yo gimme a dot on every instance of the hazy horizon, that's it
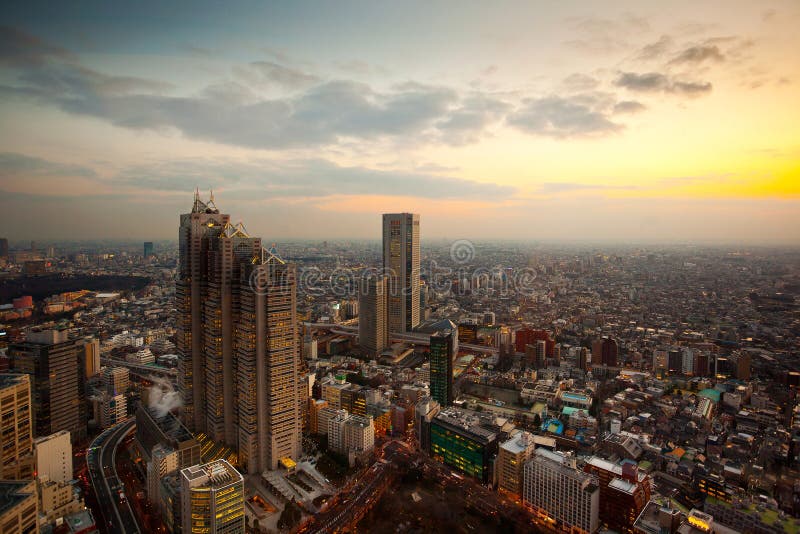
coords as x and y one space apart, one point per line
525 121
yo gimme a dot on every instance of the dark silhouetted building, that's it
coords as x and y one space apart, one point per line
444 347
3 247
148 249
604 352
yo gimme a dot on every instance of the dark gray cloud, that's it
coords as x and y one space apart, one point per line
235 113
20 48
19 167
698 54
301 178
562 117
654 82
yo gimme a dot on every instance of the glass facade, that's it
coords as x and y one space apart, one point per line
459 451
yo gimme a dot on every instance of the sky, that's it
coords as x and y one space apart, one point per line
615 121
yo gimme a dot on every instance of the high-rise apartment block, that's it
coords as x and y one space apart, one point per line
237 340
559 493
16 428
511 458
444 349
373 334
54 457
53 361
401 262
212 499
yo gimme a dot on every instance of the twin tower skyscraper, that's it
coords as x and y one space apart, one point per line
237 332
237 340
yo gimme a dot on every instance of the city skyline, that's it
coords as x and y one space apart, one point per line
531 122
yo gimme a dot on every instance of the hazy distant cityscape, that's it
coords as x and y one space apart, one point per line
224 383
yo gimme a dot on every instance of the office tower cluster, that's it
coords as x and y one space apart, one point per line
237 340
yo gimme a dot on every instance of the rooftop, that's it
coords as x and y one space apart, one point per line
13 492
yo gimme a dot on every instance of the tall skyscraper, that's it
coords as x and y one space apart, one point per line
401 263
55 364
373 335
197 229
148 249
444 348
3 247
16 428
269 389
237 340
212 499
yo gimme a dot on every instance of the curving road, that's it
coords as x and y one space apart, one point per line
101 461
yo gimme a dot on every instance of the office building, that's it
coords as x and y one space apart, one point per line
56 500
113 409
359 433
116 380
271 393
163 461
740 363
559 493
605 352
154 429
583 358
19 507
53 361
148 249
444 349
464 441
511 458
16 428
54 457
424 412
197 230
336 432
92 356
401 262
237 340
3 247
624 492
373 335
212 499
